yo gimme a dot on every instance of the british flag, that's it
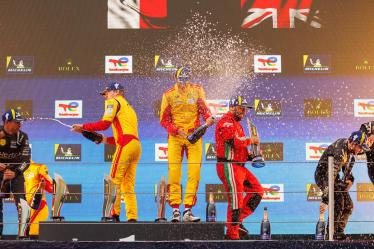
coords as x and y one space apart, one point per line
283 13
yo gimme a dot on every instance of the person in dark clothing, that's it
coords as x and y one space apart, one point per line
368 128
343 151
15 154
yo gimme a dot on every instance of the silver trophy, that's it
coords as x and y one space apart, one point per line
60 190
257 161
24 212
161 198
110 193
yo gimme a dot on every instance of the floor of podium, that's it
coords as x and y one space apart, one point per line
151 235
256 244
141 231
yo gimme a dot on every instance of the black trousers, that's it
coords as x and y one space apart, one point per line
15 186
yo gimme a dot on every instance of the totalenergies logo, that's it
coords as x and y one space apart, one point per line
118 64
314 151
267 64
270 61
161 152
71 107
364 107
273 192
218 107
121 62
68 109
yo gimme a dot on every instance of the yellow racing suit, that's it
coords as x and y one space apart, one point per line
122 117
34 176
181 108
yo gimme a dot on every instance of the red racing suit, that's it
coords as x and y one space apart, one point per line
232 153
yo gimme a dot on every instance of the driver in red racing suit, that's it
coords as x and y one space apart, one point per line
232 153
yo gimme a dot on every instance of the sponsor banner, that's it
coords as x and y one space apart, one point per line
268 107
218 190
19 64
365 66
161 152
313 192
285 14
118 64
273 193
210 152
314 151
272 151
109 150
365 192
364 107
267 64
314 108
68 66
163 64
75 193
24 107
68 108
68 152
218 107
317 63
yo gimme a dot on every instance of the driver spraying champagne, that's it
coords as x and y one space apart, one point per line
181 108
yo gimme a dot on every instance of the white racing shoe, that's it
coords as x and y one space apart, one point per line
176 216
189 217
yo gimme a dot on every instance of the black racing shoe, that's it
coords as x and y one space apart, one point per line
115 218
132 220
243 232
341 236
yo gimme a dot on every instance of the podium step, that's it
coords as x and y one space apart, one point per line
142 231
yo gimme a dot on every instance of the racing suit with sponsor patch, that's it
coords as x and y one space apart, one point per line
243 189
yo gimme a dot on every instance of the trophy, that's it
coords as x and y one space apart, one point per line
60 190
110 192
24 212
257 161
160 198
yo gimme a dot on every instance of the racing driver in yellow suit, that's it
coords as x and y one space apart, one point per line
122 117
37 181
181 108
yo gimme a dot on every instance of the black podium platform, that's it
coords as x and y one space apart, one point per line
143 231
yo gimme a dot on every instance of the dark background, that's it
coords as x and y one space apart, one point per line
52 30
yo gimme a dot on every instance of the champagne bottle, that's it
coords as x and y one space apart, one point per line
211 209
320 228
197 134
265 226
